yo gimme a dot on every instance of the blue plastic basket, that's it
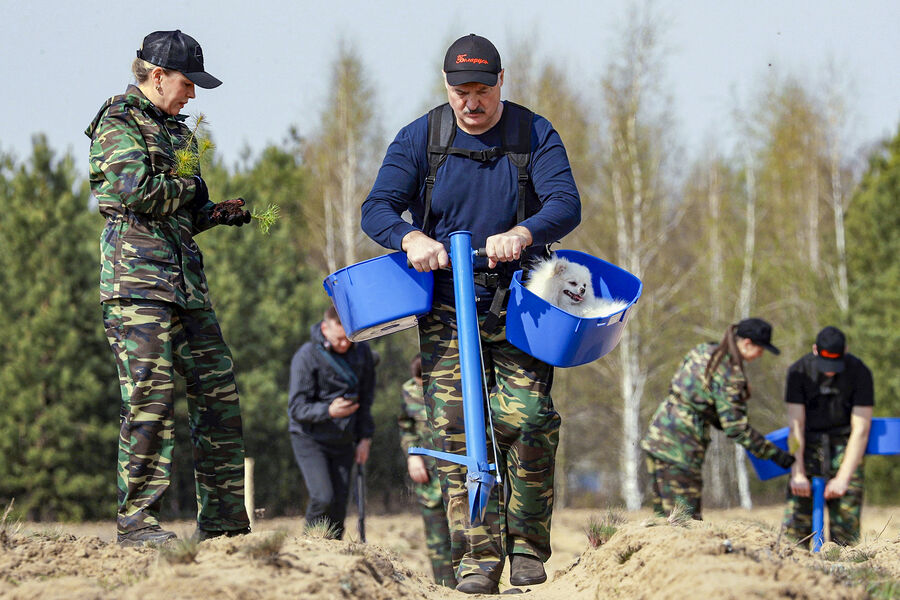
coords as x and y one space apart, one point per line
379 296
560 338
766 469
884 436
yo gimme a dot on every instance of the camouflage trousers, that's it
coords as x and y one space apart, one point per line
672 486
437 531
152 341
843 513
526 427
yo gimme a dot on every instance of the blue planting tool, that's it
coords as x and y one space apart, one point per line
480 477
818 512
884 439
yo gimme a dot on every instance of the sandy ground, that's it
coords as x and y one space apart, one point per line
732 554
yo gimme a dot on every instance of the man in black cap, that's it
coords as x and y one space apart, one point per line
499 171
830 396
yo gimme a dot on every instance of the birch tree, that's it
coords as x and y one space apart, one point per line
635 177
835 122
342 158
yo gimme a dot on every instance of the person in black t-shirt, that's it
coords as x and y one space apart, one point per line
829 395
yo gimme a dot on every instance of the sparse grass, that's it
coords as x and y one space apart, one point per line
320 530
860 555
627 553
879 585
53 534
832 554
179 552
680 516
354 548
600 529
267 547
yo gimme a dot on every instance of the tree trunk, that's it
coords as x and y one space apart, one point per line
746 293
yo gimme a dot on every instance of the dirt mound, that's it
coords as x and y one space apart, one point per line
253 566
644 558
653 559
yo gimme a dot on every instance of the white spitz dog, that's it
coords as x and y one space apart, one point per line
567 285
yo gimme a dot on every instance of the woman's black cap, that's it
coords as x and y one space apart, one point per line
178 51
757 331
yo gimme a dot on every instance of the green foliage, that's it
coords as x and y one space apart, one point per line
873 231
266 218
59 413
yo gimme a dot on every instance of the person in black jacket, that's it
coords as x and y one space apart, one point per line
332 387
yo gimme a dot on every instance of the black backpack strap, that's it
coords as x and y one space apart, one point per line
441 131
517 146
340 365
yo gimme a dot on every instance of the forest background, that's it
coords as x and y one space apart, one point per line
789 224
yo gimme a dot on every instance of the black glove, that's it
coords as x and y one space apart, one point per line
201 196
783 459
230 212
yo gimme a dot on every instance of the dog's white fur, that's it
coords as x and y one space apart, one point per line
568 285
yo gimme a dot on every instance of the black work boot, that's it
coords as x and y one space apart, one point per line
477 584
526 570
205 534
154 534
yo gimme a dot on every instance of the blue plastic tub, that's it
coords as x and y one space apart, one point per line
766 469
379 296
884 436
560 338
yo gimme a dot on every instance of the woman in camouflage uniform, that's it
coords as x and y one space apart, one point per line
156 306
710 388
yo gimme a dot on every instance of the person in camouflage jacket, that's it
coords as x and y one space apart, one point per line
414 431
156 308
710 389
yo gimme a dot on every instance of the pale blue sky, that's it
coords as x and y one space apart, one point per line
60 60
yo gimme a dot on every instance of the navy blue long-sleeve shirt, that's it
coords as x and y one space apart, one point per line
480 197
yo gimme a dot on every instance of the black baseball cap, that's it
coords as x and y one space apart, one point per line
472 59
831 345
178 51
757 331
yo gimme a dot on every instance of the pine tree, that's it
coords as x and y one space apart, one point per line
59 414
873 245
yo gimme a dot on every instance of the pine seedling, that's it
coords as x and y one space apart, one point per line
265 219
188 156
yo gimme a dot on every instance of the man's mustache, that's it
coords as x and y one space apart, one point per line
476 111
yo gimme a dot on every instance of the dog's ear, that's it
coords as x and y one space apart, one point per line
560 267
